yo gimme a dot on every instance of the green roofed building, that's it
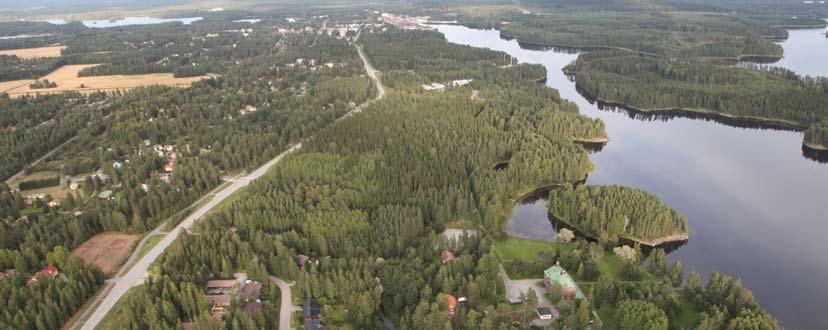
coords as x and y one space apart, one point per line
106 194
556 274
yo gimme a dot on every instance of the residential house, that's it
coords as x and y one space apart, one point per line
54 203
452 305
556 274
49 272
544 313
219 305
168 167
446 256
106 194
252 307
8 273
301 260
312 313
251 291
222 287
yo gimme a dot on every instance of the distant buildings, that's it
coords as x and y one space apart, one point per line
406 22
434 87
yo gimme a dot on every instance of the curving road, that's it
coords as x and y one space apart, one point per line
136 275
287 307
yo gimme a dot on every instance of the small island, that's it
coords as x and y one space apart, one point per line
610 213
816 137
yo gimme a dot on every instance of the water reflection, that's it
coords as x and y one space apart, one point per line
742 189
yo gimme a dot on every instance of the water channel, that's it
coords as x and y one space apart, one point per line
756 204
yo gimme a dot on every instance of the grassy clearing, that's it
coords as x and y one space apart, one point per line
526 249
151 242
686 318
612 265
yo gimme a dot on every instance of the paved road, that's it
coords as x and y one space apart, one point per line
136 275
140 271
287 308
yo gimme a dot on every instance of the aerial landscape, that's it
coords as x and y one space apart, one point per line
413 164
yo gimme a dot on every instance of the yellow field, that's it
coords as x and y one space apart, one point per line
66 77
29 53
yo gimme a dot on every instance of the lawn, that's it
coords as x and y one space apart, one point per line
686 318
151 242
612 265
526 249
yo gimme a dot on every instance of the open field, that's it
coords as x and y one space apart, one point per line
30 53
57 192
66 77
105 250
526 249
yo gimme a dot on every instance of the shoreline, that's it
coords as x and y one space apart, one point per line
591 140
815 147
669 242
666 240
723 118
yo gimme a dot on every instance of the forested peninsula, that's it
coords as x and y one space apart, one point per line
687 59
748 92
608 213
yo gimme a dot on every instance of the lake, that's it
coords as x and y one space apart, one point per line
805 52
755 205
105 23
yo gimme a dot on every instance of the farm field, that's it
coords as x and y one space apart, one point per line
30 53
106 250
67 80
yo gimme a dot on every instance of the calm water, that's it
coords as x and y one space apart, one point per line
805 52
756 206
105 23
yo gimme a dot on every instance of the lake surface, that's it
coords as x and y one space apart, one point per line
757 208
805 52
105 23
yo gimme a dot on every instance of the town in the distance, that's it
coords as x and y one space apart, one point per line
413 164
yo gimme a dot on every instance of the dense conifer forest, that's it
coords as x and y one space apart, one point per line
368 198
612 212
156 150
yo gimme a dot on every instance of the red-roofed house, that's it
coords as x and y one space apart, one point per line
452 305
49 272
168 167
446 256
